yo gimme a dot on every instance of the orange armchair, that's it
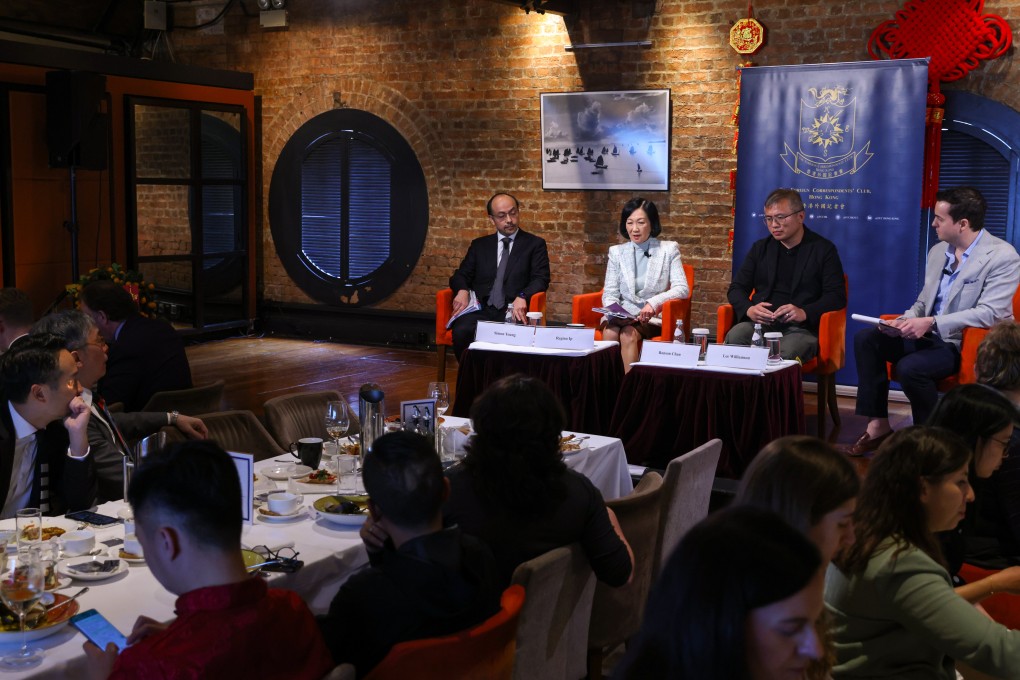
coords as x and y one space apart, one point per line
969 342
831 355
485 651
444 310
671 311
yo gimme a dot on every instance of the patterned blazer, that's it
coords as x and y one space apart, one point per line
664 280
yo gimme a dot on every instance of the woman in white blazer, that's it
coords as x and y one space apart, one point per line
641 276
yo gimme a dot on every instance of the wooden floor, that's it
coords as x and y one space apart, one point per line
258 369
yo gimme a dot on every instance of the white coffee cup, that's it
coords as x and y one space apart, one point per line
131 545
75 543
534 318
284 503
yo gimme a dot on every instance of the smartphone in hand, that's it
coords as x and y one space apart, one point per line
98 630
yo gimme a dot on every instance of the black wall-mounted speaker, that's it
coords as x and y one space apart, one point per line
76 127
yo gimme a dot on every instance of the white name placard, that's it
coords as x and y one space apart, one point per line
564 338
670 354
504 333
737 356
245 464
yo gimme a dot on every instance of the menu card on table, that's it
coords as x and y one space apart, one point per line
245 464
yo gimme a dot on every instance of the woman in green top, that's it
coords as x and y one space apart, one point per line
894 609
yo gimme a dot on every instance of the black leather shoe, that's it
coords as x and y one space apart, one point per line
866 444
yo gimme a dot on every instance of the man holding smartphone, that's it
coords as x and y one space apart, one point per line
187 508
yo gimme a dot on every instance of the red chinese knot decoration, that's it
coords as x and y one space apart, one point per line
746 36
957 37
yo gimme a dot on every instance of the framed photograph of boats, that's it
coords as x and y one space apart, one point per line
606 140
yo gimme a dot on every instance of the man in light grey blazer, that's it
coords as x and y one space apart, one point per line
969 280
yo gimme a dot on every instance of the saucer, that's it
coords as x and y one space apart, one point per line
281 519
64 568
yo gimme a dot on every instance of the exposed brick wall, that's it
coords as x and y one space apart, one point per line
461 81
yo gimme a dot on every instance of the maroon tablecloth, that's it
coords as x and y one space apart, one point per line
662 413
587 386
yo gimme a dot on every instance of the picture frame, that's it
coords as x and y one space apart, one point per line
612 140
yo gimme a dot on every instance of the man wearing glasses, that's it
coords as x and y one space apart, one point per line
44 448
501 269
795 276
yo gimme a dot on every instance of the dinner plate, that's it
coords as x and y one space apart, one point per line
63 567
54 621
336 517
284 471
62 522
282 519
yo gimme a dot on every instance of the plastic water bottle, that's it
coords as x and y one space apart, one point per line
509 314
757 339
678 332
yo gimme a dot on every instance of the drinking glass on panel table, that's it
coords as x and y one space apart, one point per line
21 585
439 391
338 421
28 523
346 474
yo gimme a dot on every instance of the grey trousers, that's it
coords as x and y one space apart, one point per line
797 342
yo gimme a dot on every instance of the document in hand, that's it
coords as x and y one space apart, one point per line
614 310
472 306
875 321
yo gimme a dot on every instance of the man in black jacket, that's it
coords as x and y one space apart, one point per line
504 268
422 580
796 276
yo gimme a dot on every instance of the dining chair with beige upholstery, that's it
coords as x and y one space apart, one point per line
237 431
686 491
191 401
552 632
302 414
616 613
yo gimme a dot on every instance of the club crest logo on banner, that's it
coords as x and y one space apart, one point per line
826 143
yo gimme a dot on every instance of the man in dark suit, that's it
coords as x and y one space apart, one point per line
44 450
796 276
146 355
109 433
520 260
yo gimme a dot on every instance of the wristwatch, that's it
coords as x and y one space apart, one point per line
171 417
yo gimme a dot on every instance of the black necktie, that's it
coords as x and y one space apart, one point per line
496 297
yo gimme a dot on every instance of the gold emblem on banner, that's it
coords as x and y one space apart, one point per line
826 140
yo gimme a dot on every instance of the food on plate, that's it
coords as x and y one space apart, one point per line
318 477
31 532
254 477
266 511
350 449
570 446
346 505
128 556
34 616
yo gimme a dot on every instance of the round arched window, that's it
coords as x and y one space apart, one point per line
348 208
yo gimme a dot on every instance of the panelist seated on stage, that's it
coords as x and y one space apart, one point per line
969 280
504 268
187 508
146 355
515 493
44 449
796 276
109 434
641 276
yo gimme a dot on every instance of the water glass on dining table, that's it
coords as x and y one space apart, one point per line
28 523
21 585
439 391
346 474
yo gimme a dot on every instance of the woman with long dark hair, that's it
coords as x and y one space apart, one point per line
739 599
893 604
514 492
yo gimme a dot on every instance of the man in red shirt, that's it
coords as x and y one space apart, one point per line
187 509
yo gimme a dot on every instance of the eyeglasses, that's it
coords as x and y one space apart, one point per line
1005 446
501 217
283 560
769 219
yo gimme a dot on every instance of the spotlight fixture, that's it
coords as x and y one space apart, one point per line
264 5
536 5
272 13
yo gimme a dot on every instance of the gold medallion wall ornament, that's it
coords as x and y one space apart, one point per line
747 35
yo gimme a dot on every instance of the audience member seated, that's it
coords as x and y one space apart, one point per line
109 434
739 598
422 580
15 316
998 366
514 492
44 448
814 488
984 419
642 275
187 508
895 611
146 355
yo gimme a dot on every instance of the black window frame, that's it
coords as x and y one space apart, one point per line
409 210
